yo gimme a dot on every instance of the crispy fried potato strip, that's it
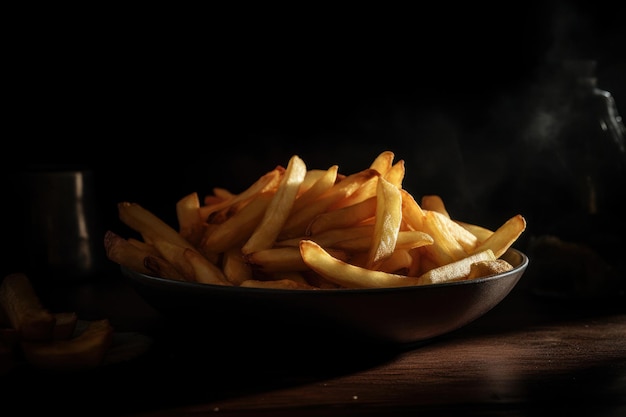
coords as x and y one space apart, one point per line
44 339
279 207
387 224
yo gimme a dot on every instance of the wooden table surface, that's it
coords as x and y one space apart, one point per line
527 356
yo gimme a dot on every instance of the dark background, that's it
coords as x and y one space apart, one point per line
162 102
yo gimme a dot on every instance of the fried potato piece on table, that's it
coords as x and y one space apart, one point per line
85 351
65 325
24 309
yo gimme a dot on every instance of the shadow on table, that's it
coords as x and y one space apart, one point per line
186 366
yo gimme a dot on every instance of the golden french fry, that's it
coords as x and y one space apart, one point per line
204 271
344 187
343 217
235 268
348 275
504 236
330 238
264 184
399 262
24 309
383 162
395 174
298 221
149 225
387 225
412 213
159 267
189 220
455 271
125 253
323 184
445 249
434 202
222 194
408 239
364 192
282 259
464 237
310 178
143 246
278 209
238 228
277 259
174 254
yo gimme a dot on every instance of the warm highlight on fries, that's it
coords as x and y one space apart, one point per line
301 228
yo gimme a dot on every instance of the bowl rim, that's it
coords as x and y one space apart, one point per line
145 278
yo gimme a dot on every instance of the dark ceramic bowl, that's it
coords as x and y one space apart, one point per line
391 316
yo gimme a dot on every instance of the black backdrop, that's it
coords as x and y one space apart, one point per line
160 103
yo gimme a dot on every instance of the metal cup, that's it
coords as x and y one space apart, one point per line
61 224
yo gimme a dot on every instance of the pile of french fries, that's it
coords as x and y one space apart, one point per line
301 228
46 340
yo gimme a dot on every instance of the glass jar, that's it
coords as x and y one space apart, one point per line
572 181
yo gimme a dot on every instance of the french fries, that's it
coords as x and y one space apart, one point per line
85 351
279 208
46 340
301 228
24 310
387 223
